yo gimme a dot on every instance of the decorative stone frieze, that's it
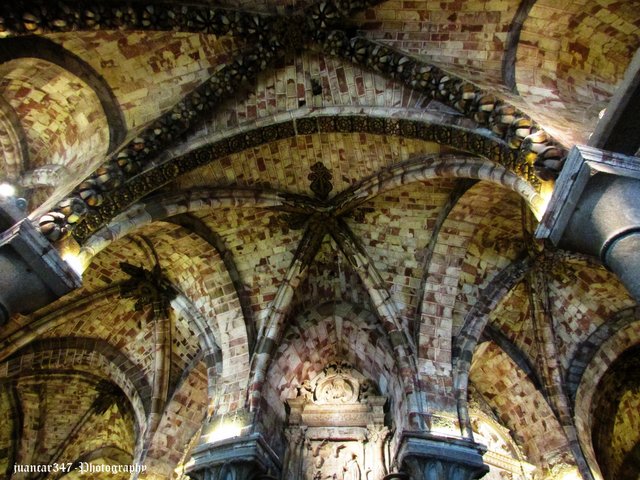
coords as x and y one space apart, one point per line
269 38
520 132
38 17
532 153
126 192
336 427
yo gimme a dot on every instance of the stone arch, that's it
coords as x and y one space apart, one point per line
89 356
62 117
216 315
181 305
163 206
608 351
615 416
205 300
522 408
331 331
117 455
13 423
511 46
445 302
492 334
187 407
442 166
21 338
475 322
70 412
447 133
503 452
13 143
588 348
574 55
188 293
212 354
45 49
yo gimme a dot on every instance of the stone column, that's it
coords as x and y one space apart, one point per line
427 457
377 435
292 465
595 210
238 458
32 273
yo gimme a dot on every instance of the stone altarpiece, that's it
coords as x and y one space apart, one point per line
336 428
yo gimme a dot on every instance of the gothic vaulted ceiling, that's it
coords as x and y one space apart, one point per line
253 187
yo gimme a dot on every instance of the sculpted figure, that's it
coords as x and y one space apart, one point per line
305 390
351 469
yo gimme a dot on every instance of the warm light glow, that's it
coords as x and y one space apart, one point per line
445 426
502 453
546 191
571 474
73 255
74 261
226 429
7 190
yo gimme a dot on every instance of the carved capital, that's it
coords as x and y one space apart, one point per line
427 457
377 433
239 458
227 471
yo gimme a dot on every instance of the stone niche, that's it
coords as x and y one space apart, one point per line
336 428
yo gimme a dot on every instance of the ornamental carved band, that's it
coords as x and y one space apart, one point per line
128 192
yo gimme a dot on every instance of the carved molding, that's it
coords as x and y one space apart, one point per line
117 193
528 150
339 396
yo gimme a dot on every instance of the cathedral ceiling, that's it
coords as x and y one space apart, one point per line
353 182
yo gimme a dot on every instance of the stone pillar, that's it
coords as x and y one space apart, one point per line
292 465
32 273
377 436
427 457
595 210
238 458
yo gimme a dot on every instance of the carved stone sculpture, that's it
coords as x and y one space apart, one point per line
344 432
351 469
337 389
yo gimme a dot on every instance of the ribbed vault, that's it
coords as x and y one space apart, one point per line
255 188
